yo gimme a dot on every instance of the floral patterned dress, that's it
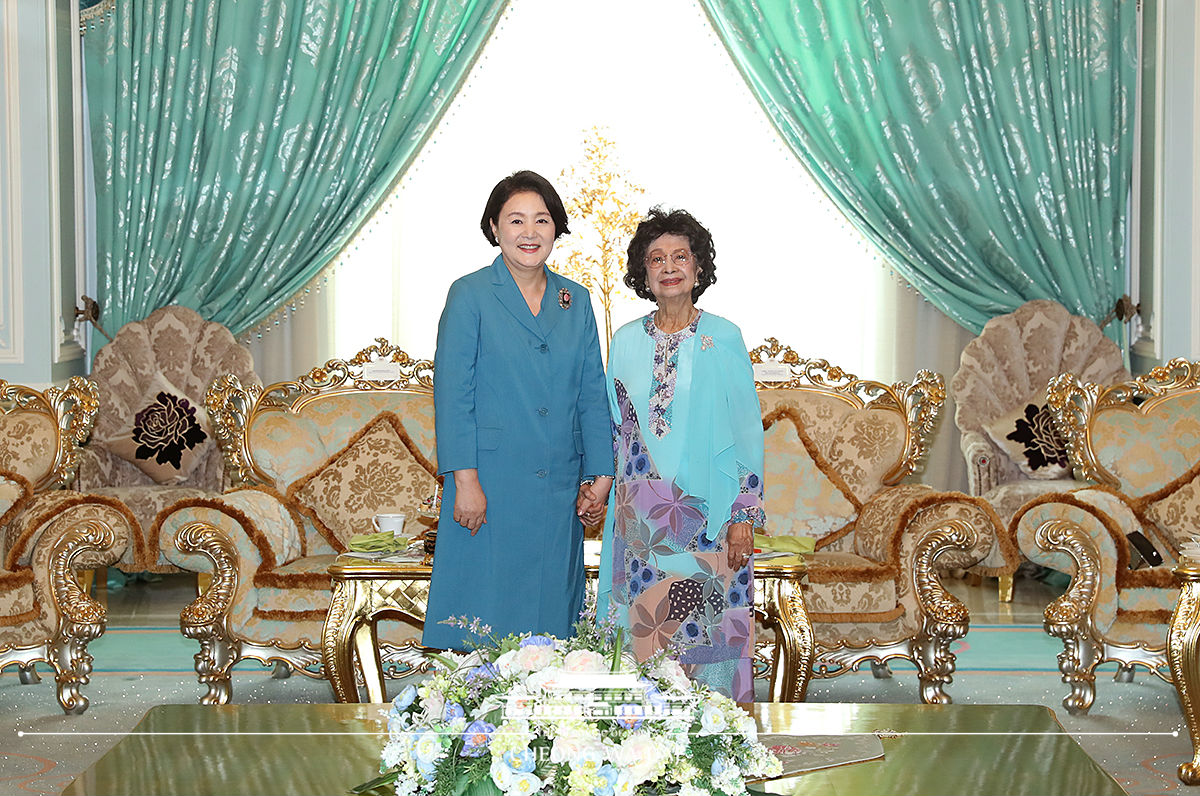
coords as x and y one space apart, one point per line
688 444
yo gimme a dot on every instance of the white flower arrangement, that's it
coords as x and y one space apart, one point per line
535 714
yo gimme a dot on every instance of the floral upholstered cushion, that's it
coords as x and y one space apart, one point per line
1029 437
1148 448
28 443
1178 513
166 437
803 498
379 471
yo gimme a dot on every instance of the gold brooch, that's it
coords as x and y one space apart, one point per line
564 298
705 342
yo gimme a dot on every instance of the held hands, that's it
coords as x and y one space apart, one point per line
589 505
739 544
470 504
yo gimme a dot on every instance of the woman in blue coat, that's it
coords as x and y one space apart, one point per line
524 437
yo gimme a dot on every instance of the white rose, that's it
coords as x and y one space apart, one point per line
641 757
534 657
749 728
507 663
673 673
571 740
712 720
544 679
585 661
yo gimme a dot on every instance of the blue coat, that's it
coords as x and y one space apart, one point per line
522 400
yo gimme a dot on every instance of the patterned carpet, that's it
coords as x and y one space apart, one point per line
1135 730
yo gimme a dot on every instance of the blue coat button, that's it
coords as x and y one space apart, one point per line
542 473
543 411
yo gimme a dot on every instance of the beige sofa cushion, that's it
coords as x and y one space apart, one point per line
1029 438
379 470
803 495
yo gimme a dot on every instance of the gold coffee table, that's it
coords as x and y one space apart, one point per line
365 591
1015 750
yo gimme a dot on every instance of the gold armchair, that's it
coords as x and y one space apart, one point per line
153 443
47 532
838 451
312 461
1012 447
1139 440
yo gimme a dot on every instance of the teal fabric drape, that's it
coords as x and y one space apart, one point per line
239 145
984 145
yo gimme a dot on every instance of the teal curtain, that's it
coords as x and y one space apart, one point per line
238 145
984 145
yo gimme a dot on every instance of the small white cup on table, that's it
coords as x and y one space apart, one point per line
389 522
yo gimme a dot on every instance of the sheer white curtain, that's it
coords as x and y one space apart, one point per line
687 129
302 340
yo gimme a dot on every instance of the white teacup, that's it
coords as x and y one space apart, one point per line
389 522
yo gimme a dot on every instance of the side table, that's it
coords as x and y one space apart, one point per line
365 591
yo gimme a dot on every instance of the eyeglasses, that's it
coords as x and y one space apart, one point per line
679 259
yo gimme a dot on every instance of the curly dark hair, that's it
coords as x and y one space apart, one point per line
520 182
659 222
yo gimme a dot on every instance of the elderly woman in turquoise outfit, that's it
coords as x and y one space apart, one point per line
524 437
676 569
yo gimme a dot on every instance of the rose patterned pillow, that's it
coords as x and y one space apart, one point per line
380 470
1030 438
167 436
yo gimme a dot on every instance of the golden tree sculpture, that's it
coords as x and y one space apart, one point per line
602 204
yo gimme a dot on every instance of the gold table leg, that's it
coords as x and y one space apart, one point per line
367 648
1183 653
795 648
336 651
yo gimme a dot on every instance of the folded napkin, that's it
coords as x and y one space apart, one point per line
801 545
382 542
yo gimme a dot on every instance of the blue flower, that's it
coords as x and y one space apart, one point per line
453 711
522 761
736 597
476 737
743 577
629 716
640 464
635 587
647 575
634 565
487 671
608 780
405 698
628 468
635 448
718 767
537 641
752 481
691 630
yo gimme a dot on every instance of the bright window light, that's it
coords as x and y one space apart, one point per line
658 82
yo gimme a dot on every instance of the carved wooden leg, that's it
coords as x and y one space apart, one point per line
1183 653
336 650
206 618
80 618
366 648
944 617
1069 618
795 645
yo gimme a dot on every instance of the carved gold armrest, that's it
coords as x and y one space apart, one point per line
80 618
206 619
259 526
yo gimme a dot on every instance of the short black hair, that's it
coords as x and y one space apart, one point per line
659 222
520 182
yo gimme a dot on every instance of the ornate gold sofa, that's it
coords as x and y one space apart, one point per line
47 532
1140 441
1013 450
312 461
837 451
152 378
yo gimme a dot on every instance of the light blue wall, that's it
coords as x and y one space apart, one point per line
38 250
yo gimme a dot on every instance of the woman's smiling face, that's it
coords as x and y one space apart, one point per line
525 232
